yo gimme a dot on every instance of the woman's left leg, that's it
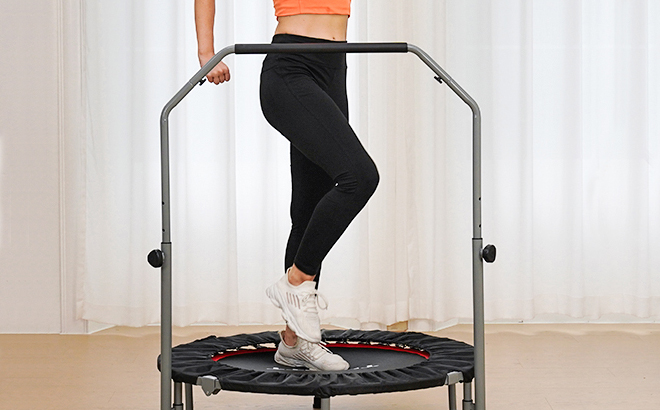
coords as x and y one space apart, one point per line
309 184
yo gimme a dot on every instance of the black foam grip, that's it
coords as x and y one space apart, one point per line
321 48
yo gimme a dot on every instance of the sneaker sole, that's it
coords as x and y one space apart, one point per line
276 298
302 364
279 359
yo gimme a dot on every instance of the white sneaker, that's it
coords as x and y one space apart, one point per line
313 356
298 304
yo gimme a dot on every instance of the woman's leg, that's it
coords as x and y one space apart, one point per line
297 106
309 184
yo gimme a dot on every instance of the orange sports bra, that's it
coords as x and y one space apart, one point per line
295 7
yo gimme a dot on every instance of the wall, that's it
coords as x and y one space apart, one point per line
41 156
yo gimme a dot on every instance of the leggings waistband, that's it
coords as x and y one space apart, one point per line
295 38
327 59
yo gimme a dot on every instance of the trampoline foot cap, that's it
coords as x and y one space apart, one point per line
453 378
210 384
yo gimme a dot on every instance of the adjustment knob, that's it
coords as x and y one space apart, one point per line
156 258
488 253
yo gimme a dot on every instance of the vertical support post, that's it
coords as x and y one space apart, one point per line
477 241
478 266
166 245
325 403
479 345
468 404
165 270
476 172
189 396
452 396
166 328
178 396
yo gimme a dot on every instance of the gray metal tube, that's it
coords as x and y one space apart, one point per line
166 328
166 245
478 306
165 134
467 396
452 396
477 261
467 391
189 396
476 134
178 397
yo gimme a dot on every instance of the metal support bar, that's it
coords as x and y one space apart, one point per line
325 403
478 333
166 328
166 245
468 404
477 242
189 396
178 397
452 396
477 261
476 133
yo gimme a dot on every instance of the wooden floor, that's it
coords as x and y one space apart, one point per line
540 367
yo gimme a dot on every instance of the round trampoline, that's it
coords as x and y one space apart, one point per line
379 361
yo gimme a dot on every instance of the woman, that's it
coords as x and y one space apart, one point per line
303 96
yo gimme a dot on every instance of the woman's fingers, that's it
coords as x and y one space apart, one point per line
219 74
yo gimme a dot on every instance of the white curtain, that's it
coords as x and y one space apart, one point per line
569 91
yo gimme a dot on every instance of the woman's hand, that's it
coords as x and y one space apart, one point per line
204 19
220 72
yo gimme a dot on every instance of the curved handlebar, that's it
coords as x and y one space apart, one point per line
321 48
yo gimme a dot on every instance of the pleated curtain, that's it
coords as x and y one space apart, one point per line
570 95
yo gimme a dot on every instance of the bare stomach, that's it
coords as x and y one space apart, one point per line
325 26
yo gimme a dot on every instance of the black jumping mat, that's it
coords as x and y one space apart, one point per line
380 361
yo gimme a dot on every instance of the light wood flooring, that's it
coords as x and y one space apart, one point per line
540 367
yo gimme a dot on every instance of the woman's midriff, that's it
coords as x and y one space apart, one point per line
325 26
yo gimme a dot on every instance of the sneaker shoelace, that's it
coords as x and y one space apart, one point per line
314 350
313 300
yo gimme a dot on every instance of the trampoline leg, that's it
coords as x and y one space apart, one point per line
322 403
189 396
468 404
452 396
178 397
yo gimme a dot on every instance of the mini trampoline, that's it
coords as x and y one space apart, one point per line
379 361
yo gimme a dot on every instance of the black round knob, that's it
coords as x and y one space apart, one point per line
488 253
156 258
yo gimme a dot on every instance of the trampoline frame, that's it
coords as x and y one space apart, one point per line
165 252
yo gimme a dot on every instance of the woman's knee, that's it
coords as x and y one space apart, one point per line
371 179
360 182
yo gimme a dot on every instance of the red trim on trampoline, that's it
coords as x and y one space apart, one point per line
422 353
221 356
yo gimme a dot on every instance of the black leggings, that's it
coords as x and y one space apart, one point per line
303 96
